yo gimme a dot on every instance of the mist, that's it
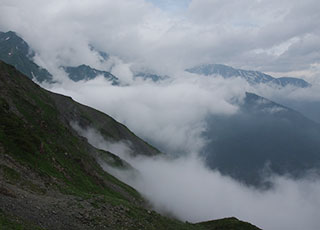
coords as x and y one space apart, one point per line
168 114
171 115
183 187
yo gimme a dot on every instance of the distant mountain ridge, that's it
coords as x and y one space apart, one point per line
15 51
253 77
85 72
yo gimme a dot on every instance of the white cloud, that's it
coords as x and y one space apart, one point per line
227 32
169 114
185 188
194 193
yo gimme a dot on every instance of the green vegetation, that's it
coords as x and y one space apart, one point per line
10 174
227 224
35 136
13 223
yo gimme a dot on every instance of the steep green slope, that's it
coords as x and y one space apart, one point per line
227 224
49 175
70 111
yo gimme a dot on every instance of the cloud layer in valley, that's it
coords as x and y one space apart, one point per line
169 114
185 188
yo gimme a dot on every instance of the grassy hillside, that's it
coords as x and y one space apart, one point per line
49 176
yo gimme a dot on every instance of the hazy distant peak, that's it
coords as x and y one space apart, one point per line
85 72
252 77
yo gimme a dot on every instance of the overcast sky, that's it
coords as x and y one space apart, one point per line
279 37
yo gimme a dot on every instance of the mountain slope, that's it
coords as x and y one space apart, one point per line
49 175
15 51
253 77
263 137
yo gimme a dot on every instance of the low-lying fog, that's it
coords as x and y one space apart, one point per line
171 115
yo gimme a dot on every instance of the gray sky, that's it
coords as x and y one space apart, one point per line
280 37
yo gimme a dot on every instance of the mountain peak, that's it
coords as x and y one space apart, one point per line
15 51
85 72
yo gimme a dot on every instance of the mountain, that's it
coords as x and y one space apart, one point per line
15 51
85 72
253 77
263 137
50 178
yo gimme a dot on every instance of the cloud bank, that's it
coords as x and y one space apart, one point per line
169 114
185 188
273 36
